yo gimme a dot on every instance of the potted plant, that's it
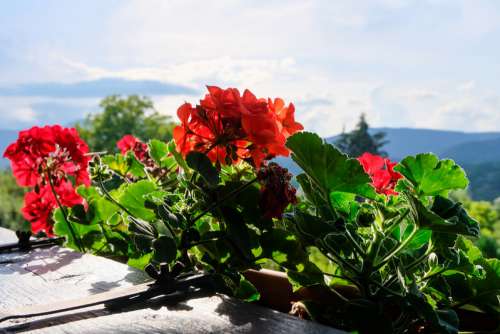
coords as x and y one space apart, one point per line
367 245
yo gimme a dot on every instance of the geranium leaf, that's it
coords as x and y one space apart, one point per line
445 216
158 150
455 213
202 164
431 176
165 249
246 291
143 234
330 169
133 197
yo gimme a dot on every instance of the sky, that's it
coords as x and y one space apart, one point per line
423 63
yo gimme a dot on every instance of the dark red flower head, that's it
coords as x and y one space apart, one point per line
230 127
381 171
131 143
50 149
276 190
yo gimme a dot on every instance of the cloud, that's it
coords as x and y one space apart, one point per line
402 62
95 88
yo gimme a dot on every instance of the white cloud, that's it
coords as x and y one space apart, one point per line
402 62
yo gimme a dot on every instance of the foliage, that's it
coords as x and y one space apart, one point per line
488 216
210 200
11 199
407 254
120 116
359 141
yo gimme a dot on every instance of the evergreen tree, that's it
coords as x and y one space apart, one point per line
359 140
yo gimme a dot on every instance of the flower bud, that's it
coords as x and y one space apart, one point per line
433 260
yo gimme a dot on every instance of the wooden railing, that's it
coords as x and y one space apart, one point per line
56 274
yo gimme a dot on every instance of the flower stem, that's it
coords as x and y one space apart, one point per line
223 199
397 249
78 242
111 199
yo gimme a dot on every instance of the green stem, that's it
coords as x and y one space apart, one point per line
111 199
396 250
411 265
357 247
396 222
223 199
425 278
339 258
78 242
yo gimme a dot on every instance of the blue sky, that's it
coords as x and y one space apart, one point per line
422 63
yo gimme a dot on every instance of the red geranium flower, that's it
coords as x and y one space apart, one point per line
381 171
50 150
39 205
229 127
43 157
131 143
276 190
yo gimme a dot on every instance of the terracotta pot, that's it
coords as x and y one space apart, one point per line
277 293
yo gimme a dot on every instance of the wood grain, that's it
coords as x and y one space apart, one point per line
56 274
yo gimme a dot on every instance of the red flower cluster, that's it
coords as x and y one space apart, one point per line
38 205
131 143
276 191
47 152
229 127
381 171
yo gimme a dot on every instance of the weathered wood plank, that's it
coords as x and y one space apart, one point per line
53 274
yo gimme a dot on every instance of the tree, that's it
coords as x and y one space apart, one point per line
11 197
133 115
359 140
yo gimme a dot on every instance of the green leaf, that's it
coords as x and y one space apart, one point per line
165 249
431 176
88 234
237 231
307 275
330 169
133 198
312 194
202 164
143 234
116 162
344 202
136 168
445 216
140 261
158 150
455 213
246 291
283 247
310 227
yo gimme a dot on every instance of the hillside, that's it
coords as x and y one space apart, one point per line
406 141
474 151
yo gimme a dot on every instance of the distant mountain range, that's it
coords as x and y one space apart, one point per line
478 153
463 147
